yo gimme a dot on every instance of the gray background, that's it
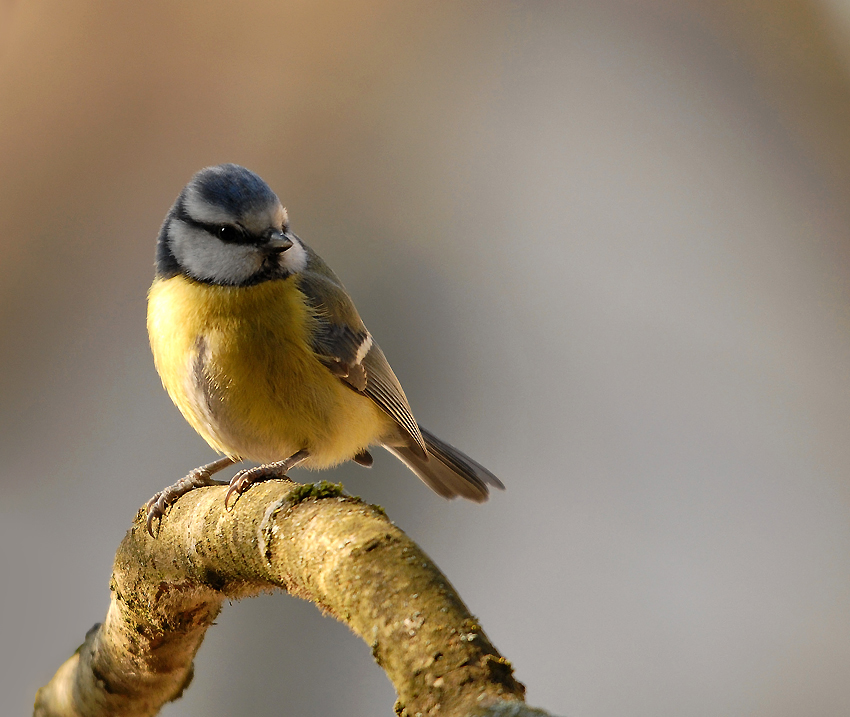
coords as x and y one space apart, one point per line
605 247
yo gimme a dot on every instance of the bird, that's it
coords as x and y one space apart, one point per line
262 350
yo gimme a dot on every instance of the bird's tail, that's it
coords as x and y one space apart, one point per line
447 471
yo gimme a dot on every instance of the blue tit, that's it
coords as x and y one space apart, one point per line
261 348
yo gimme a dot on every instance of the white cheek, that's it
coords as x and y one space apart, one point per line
206 258
294 259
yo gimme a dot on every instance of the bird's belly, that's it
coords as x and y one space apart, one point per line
240 368
282 400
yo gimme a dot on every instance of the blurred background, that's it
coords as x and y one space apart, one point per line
605 245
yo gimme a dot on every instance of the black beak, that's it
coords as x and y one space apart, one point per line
278 243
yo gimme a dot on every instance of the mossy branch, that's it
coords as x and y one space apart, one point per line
312 541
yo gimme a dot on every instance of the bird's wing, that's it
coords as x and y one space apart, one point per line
343 344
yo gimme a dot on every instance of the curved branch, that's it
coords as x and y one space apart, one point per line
312 541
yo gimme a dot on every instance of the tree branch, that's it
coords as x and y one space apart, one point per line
312 541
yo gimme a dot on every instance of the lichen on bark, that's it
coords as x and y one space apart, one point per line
315 542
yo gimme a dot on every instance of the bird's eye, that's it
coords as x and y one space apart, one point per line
228 233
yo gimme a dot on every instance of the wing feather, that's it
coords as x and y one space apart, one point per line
383 388
343 344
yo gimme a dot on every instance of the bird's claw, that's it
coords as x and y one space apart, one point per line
199 477
244 479
154 510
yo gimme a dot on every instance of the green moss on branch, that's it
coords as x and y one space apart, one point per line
310 540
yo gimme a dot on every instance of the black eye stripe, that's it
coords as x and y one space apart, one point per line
227 233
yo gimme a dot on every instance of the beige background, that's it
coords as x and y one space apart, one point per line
604 245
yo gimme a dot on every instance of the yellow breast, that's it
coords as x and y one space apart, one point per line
237 363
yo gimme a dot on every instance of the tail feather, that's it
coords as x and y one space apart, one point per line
447 471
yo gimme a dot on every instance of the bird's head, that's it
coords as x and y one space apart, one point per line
228 227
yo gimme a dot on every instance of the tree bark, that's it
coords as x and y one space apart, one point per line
312 541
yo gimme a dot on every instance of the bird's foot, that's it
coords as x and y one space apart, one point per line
197 478
246 478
